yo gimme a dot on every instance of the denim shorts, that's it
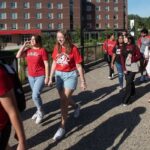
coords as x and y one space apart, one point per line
66 79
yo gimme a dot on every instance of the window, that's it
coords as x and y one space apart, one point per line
88 0
97 17
38 15
107 17
50 6
89 17
59 6
27 26
98 1
97 8
14 15
116 9
59 26
50 15
38 5
115 1
13 5
59 16
107 8
39 26
3 16
97 26
116 17
27 16
116 26
26 5
50 26
2 26
89 25
14 26
107 1
88 8
2 5
107 25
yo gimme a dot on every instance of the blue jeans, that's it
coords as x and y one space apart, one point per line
36 84
120 73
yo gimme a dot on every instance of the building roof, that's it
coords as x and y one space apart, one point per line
10 32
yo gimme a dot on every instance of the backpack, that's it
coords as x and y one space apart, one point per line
18 90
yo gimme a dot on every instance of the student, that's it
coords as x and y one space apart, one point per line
142 42
108 47
116 58
38 71
130 53
9 113
66 65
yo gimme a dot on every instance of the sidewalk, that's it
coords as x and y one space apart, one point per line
104 123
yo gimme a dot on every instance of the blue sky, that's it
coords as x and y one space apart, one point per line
139 7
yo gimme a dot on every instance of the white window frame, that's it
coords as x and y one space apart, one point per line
2 5
38 5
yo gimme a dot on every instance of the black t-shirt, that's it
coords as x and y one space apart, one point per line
117 50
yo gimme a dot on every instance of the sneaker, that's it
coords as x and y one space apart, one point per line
124 105
34 116
77 111
39 117
112 76
109 77
142 78
59 134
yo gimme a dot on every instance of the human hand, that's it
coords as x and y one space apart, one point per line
50 82
83 85
46 80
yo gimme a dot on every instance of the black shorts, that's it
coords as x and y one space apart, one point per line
4 136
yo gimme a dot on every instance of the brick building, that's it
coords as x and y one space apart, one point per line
20 19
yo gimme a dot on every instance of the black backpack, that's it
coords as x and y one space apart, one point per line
18 90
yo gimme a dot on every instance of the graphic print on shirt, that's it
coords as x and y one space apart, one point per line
118 51
62 59
32 54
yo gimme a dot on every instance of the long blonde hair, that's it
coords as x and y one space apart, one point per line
68 42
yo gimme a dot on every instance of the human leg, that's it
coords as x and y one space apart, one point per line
120 74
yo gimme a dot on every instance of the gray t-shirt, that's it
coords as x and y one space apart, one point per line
145 42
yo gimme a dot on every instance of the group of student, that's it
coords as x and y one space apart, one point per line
66 67
129 58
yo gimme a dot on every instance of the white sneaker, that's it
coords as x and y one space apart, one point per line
112 76
109 77
59 134
77 111
34 116
39 117
124 105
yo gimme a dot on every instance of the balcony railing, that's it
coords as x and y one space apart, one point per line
90 54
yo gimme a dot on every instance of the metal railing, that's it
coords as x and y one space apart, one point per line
91 54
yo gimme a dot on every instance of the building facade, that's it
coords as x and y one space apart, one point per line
21 18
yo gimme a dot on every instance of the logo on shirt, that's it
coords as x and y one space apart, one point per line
118 51
62 59
32 54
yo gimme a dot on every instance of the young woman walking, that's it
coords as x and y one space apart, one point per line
130 55
108 47
66 65
116 58
38 71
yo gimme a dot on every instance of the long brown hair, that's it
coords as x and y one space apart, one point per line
68 42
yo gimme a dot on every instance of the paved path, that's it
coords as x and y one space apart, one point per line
104 123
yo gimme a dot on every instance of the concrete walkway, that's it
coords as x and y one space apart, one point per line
104 124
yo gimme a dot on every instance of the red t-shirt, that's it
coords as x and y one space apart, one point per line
66 62
35 61
5 86
108 46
